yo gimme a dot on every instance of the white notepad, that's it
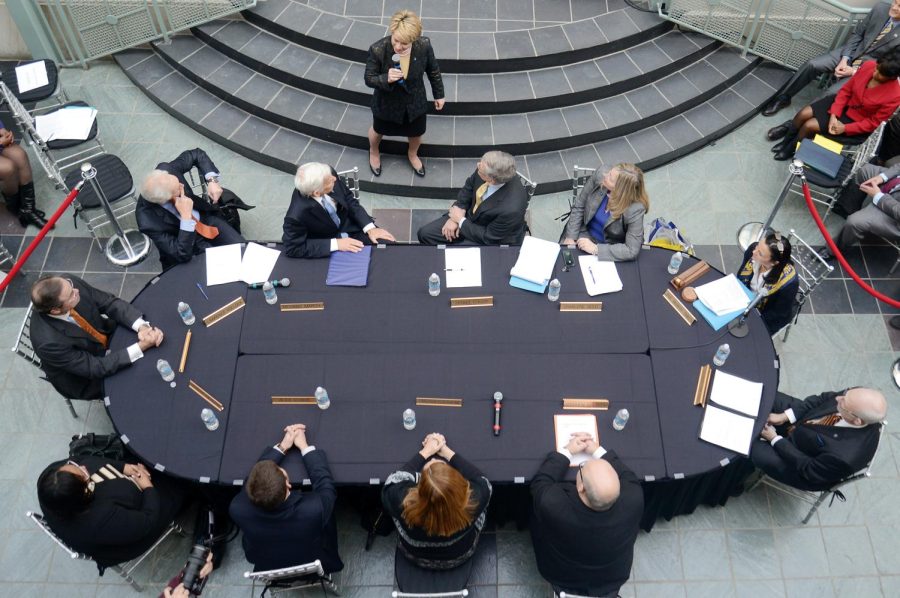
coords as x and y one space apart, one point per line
726 429
223 264
723 296
536 260
599 277
736 393
463 267
258 263
566 425
31 76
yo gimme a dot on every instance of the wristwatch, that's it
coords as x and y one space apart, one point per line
212 179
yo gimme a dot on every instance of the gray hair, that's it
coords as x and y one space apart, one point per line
499 166
310 177
154 189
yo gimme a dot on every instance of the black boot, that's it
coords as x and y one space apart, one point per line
28 214
787 145
13 202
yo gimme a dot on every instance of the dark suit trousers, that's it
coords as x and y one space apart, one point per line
227 235
809 70
430 234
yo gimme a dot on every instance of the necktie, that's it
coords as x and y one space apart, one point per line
827 420
204 230
479 196
878 38
87 327
890 185
326 203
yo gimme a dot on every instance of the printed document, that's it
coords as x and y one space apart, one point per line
736 393
463 267
726 429
599 277
566 425
723 296
31 76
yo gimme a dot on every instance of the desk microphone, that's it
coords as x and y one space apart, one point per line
738 326
498 399
396 60
284 282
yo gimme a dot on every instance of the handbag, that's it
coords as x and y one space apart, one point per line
665 234
108 446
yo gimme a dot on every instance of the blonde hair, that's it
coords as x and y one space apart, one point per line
406 25
629 188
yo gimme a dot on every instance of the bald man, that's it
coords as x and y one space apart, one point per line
584 533
815 443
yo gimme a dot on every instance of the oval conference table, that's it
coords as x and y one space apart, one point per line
377 348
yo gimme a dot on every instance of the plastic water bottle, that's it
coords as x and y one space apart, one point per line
721 355
270 294
166 371
409 419
209 419
675 262
553 290
187 315
322 399
434 284
621 419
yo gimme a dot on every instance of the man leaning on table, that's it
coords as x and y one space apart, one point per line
70 333
584 533
815 443
324 216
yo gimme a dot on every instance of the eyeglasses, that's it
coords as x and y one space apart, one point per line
71 293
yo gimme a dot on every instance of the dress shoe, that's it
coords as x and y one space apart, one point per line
375 171
784 154
777 147
776 105
418 171
778 132
895 322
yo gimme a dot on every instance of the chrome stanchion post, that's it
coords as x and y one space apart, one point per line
752 232
124 247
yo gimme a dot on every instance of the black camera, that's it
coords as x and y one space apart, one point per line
192 581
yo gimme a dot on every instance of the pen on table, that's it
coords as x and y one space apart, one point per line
591 272
202 291
454 269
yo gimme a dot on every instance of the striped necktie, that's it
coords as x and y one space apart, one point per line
878 38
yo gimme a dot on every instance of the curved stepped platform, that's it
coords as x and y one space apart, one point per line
284 99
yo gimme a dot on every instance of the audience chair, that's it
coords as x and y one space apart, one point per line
6 256
814 498
460 594
890 243
811 269
53 87
276 581
24 348
115 180
123 569
530 187
351 179
54 156
568 595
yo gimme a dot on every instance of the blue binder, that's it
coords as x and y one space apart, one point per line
346 269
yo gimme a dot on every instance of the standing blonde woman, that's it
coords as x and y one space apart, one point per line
399 103
607 219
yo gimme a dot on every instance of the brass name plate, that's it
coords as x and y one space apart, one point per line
471 302
586 404
224 311
690 275
703 385
213 402
581 306
310 306
438 402
285 400
679 307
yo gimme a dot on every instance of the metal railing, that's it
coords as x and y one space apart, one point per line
788 32
82 30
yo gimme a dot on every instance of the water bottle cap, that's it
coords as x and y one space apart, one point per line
206 412
725 346
160 362
320 389
267 286
182 305
408 412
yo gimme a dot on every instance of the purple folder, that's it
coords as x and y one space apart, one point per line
346 269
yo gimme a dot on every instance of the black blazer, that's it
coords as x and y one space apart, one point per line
121 521
776 309
500 219
74 362
308 229
393 101
814 457
301 530
163 227
578 549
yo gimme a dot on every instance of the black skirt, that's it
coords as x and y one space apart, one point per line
416 128
820 110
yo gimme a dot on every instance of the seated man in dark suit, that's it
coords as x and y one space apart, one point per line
584 533
489 210
180 223
284 527
813 444
70 334
324 216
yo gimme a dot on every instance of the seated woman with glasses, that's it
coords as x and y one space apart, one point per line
438 505
110 510
767 268
607 219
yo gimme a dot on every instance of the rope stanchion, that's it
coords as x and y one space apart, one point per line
837 253
40 236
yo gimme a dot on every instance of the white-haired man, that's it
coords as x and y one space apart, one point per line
324 216
180 223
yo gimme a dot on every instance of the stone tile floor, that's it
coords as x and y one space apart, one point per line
754 546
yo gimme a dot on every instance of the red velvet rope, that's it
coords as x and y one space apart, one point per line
836 252
40 236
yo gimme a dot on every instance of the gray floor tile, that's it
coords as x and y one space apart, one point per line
657 557
801 550
704 555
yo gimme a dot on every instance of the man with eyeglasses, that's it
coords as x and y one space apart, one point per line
584 533
70 334
815 443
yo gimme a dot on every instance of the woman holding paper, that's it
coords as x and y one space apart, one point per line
767 268
607 219
16 182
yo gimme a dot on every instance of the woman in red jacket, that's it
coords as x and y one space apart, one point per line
870 97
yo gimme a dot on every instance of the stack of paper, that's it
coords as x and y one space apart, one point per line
31 76
73 122
599 277
463 267
725 428
534 267
224 264
723 296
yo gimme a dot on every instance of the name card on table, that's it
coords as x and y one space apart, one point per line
438 402
581 306
286 400
703 385
310 306
224 311
679 307
586 404
472 302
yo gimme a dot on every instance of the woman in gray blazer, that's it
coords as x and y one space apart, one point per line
607 219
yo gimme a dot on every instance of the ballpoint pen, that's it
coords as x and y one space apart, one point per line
202 291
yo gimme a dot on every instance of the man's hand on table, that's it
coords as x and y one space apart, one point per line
768 433
149 337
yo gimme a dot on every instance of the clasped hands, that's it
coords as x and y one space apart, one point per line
835 127
582 442
294 435
844 70
775 419
872 187
139 474
436 444
149 336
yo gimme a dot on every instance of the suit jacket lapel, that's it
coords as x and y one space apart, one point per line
319 211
